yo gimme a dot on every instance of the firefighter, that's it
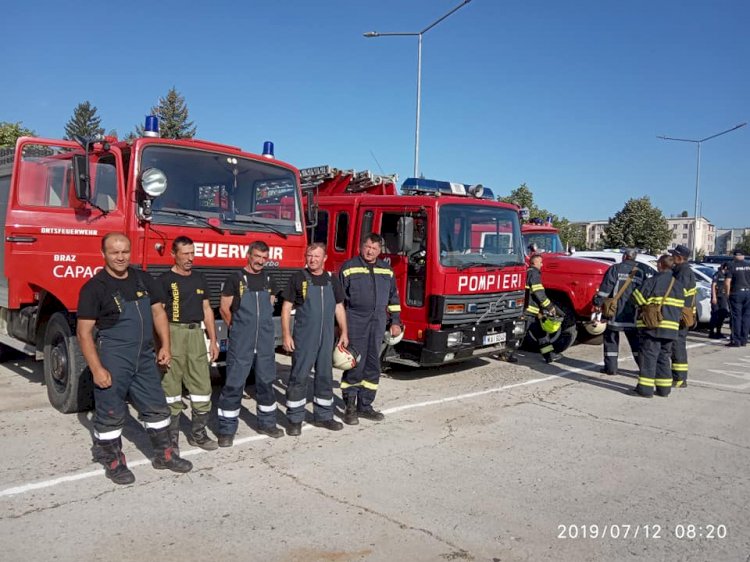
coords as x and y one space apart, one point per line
541 314
371 301
684 274
124 304
737 286
247 309
620 281
317 297
189 312
719 303
665 292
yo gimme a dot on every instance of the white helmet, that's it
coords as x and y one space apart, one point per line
595 328
345 358
389 339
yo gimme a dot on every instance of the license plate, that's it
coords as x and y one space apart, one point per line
490 339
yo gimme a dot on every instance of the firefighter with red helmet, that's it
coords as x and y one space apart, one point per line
317 298
124 304
371 302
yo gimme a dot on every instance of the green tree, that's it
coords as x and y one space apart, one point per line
84 122
172 112
684 214
10 133
744 245
572 234
638 225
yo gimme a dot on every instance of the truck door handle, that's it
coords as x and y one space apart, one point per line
20 239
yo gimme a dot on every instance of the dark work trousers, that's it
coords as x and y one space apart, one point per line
612 347
739 302
654 368
680 358
543 338
366 333
313 347
719 314
251 344
126 350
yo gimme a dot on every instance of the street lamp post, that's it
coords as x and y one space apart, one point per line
698 142
419 35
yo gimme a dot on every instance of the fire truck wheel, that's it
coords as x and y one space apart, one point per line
70 387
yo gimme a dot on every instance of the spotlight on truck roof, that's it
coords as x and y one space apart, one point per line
268 150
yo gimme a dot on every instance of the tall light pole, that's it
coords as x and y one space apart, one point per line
419 35
698 142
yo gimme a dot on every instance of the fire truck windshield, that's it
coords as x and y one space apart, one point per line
243 194
548 242
479 235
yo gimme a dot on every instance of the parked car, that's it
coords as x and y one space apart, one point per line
647 264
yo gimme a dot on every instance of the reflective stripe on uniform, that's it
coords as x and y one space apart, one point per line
546 303
161 424
108 435
537 287
664 382
547 349
349 385
644 381
173 399
382 271
603 293
369 385
394 308
611 353
680 367
200 397
296 403
353 270
531 309
262 408
323 401
228 413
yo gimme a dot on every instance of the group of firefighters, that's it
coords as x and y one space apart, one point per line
131 326
121 308
655 314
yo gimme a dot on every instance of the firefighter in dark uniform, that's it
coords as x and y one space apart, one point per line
539 308
624 320
247 308
666 291
189 312
370 296
124 305
684 274
719 303
317 297
737 286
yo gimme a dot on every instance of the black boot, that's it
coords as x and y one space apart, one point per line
350 411
165 457
174 433
198 436
109 454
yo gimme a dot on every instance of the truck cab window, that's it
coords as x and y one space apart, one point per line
342 231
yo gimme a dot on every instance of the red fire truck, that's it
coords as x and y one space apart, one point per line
60 197
457 255
569 281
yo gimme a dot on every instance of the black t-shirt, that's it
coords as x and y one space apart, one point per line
739 273
254 282
293 292
184 296
96 301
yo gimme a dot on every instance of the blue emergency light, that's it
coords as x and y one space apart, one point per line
152 126
268 149
413 186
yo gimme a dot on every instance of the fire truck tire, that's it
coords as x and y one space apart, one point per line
70 387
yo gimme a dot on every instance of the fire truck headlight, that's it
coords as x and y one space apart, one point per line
153 182
455 308
455 339
519 328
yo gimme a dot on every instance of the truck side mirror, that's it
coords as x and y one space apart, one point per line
405 235
81 177
311 211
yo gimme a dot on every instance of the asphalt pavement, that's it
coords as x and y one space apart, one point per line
483 460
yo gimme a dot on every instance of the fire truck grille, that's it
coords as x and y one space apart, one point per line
215 277
484 308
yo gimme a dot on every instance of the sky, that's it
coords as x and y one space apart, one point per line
567 97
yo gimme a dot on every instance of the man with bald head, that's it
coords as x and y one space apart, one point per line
125 307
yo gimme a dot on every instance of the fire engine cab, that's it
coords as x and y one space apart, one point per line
457 255
59 197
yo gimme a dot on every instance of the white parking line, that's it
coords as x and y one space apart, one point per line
24 488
